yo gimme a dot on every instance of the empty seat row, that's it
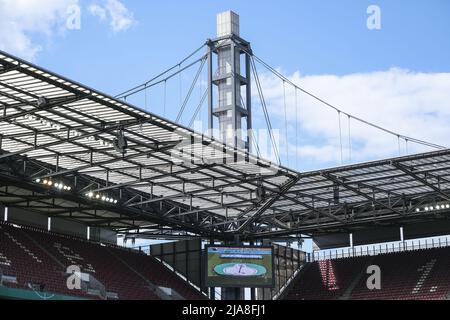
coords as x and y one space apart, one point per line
36 256
410 275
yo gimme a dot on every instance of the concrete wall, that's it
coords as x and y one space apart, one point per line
21 216
61 225
103 235
376 235
339 240
183 256
426 229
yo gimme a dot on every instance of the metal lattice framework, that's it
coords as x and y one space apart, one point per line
172 181
405 189
168 175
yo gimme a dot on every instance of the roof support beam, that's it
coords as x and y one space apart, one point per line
267 205
411 173
358 192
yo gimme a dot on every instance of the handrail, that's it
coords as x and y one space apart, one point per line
373 250
288 282
168 266
66 236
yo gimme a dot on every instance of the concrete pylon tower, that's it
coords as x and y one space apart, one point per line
229 94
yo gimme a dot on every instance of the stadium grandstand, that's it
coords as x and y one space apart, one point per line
40 265
419 273
80 170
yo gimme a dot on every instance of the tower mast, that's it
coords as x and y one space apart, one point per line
229 84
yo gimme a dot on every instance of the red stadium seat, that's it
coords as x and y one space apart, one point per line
410 275
40 257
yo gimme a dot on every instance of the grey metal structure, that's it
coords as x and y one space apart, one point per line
396 191
232 106
173 182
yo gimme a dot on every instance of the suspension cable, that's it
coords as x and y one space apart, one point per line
349 140
149 84
191 89
282 77
144 85
197 110
180 85
340 137
296 129
286 124
252 132
165 97
200 95
145 95
264 107
255 142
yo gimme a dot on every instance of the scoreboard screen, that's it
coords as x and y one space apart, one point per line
244 266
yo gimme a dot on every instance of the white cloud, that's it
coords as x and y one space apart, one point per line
410 103
120 18
24 22
20 19
97 11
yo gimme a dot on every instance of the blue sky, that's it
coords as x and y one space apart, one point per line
316 37
325 46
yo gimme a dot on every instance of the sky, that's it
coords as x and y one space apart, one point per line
396 76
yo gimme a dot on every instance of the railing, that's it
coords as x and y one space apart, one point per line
361 251
168 266
145 249
287 283
67 236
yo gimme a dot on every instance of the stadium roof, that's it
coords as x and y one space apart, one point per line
69 129
404 189
173 180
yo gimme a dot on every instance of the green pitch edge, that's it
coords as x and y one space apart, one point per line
22 294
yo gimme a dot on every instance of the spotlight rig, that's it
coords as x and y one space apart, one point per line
101 197
56 185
